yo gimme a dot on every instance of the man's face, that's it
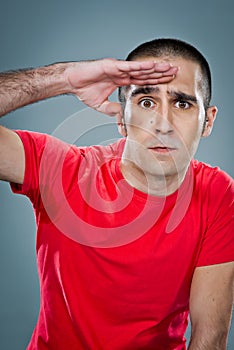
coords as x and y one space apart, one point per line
165 122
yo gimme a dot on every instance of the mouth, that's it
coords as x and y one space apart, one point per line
162 149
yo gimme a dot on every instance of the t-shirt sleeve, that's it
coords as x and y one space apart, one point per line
34 144
218 241
43 153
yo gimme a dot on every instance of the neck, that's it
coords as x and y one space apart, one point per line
152 184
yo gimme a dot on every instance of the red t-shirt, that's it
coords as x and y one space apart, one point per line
115 264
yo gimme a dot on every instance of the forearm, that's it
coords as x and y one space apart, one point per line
194 345
23 87
217 341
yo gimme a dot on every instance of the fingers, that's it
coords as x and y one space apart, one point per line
154 73
127 66
148 72
153 81
145 67
162 73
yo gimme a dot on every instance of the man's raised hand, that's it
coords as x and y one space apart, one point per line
94 81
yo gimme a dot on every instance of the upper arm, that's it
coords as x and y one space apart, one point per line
211 300
12 156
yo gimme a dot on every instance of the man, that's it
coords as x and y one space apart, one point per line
135 235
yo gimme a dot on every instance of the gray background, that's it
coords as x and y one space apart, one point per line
34 33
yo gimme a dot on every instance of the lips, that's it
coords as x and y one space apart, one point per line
162 149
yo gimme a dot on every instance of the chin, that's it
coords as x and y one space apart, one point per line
160 169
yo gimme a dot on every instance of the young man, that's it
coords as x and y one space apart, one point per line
134 236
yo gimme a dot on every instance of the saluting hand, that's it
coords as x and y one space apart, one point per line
94 81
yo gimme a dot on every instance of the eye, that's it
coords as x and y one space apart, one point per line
146 103
182 104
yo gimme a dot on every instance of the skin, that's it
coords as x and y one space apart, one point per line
211 302
162 116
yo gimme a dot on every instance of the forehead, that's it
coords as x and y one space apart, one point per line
188 78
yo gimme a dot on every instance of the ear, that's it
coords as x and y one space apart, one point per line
121 124
209 120
122 129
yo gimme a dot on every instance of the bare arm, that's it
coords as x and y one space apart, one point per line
91 81
211 303
23 87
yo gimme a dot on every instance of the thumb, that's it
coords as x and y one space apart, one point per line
110 108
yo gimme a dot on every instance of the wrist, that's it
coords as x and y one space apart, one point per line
72 76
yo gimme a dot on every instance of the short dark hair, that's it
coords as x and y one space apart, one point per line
173 48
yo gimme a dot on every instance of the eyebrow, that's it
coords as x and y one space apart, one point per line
179 95
144 90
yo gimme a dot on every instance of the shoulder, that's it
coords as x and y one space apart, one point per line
211 177
213 190
112 149
35 141
216 190
99 154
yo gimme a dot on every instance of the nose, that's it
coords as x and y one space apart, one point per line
162 119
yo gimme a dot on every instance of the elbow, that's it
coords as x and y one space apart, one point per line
209 339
